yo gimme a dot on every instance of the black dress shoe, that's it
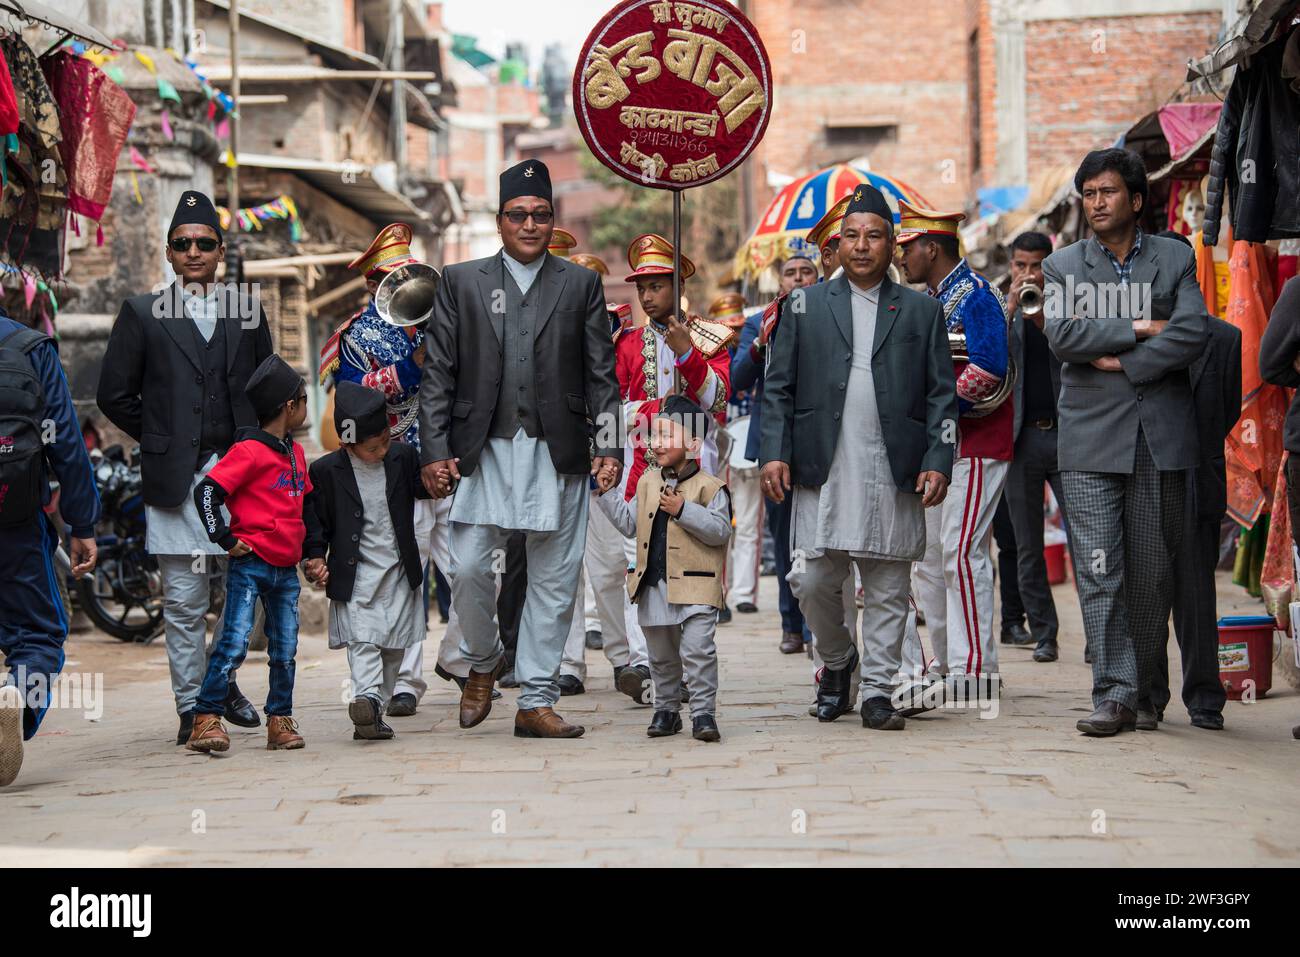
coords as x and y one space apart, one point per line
663 724
1110 718
239 710
446 675
1146 720
402 705
879 714
835 692
705 728
187 726
634 681
1209 720
1015 634
367 721
594 640
724 615
569 684
1046 650
508 679
746 608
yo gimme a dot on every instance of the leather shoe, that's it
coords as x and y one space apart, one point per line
476 695
724 615
835 692
507 680
239 710
1110 718
1146 720
1209 720
367 725
1015 634
663 724
187 726
746 608
402 705
791 643
704 727
879 714
634 681
594 640
569 685
544 723
1046 650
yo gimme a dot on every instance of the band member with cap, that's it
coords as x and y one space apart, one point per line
371 352
607 622
825 235
858 398
173 379
506 400
667 355
799 270
954 581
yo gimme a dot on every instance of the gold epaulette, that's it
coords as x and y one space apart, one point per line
710 337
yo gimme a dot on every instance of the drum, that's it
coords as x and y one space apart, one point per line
739 430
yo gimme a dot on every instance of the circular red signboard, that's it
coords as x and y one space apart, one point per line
672 94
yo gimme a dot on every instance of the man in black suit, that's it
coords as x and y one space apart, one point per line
1216 394
173 379
519 359
860 420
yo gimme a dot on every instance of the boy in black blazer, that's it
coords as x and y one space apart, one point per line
361 548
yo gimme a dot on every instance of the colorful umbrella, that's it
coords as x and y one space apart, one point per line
799 205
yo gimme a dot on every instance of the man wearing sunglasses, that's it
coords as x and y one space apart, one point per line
173 379
519 360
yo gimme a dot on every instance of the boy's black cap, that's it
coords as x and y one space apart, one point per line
685 412
363 407
271 385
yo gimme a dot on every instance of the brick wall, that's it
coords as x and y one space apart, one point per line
1089 80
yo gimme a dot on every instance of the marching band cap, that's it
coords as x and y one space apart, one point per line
364 407
271 385
914 222
828 227
682 410
729 309
652 255
867 199
194 208
390 249
529 178
590 261
561 242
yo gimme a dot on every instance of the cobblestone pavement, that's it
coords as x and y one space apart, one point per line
781 789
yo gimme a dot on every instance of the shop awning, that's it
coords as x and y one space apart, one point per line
55 19
351 184
1257 32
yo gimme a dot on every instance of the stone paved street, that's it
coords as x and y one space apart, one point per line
780 789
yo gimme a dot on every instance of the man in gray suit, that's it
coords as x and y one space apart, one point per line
860 422
519 359
1125 315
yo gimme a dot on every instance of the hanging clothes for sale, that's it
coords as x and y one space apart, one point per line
1256 154
8 118
95 115
34 210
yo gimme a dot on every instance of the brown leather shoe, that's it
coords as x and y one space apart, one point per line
209 734
282 734
1109 719
544 723
791 642
476 695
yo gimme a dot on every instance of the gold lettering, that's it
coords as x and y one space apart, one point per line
663 11
690 55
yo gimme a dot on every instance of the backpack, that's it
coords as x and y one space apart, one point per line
22 406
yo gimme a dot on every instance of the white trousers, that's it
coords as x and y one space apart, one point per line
746 540
433 538
953 583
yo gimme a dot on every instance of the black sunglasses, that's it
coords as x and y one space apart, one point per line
517 216
206 244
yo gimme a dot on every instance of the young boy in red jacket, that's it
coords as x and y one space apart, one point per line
262 482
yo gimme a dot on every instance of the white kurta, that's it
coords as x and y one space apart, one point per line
860 510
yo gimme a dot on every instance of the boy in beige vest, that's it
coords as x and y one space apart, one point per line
682 521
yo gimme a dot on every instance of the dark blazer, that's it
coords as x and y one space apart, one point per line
808 371
1278 348
334 515
574 365
151 384
1216 392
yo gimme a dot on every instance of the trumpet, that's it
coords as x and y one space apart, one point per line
1031 300
405 297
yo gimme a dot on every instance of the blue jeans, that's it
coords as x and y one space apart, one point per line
778 523
32 625
248 579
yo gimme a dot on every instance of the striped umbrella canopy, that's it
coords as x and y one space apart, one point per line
799 205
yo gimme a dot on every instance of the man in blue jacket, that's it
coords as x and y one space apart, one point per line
34 624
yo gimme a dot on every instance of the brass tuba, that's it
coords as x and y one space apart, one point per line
405 297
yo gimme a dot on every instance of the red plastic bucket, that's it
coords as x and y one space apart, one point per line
1055 556
1246 655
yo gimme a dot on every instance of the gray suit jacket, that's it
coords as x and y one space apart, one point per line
574 365
1086 318
808 372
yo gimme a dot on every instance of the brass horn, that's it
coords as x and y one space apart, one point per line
405 297
1031 300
